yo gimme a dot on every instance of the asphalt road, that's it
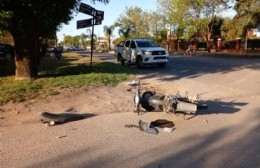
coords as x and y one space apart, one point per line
231 88
227 134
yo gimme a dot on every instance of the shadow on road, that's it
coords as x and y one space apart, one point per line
192 67
107 57
220 107
211 150
230 146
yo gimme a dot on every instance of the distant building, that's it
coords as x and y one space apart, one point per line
101 44
253 33
256 33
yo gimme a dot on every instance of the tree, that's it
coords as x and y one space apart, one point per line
108 30
88 37
29 22
193 18
248 15
125 32
67 40
206 20
133 21
226 27
175 15
156 26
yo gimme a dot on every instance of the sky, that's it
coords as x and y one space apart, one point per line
112 11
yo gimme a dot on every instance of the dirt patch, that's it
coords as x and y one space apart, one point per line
94 100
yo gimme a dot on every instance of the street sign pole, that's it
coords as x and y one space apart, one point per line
92 45
97 17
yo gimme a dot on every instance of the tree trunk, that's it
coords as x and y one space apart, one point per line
208 41
206 38
109 43
208 46
26 55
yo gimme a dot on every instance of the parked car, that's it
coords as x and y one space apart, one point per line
141 52
6 51
73 48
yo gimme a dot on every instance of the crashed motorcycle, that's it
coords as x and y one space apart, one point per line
173 103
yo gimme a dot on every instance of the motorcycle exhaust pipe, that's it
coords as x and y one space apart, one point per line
186 107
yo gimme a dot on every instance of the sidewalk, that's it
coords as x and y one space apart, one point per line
221 54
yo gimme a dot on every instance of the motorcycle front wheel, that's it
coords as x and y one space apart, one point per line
144 103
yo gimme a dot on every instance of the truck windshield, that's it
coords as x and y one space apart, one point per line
146 44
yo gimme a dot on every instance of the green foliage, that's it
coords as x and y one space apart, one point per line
248 15
30 22
215 25
17 91
229 31
161 39
108 30
125 32
118 40
134 22
41 14
194 18
175 14
71 40
79 40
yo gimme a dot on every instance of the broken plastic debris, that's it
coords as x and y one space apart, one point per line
63 136
133 83
168 129
206 121
51 123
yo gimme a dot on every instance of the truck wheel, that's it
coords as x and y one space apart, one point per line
139 62
8 56
161 65
121 60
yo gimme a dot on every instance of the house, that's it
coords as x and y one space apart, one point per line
101 44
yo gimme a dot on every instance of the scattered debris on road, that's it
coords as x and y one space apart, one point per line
51 119
205 121
152 128
63 136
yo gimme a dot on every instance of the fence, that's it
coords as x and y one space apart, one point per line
238 45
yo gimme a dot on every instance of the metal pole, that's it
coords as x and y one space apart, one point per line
92 44
246 42
156 31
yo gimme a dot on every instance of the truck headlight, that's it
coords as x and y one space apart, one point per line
147 52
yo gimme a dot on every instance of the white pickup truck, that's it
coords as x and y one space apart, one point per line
140 52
